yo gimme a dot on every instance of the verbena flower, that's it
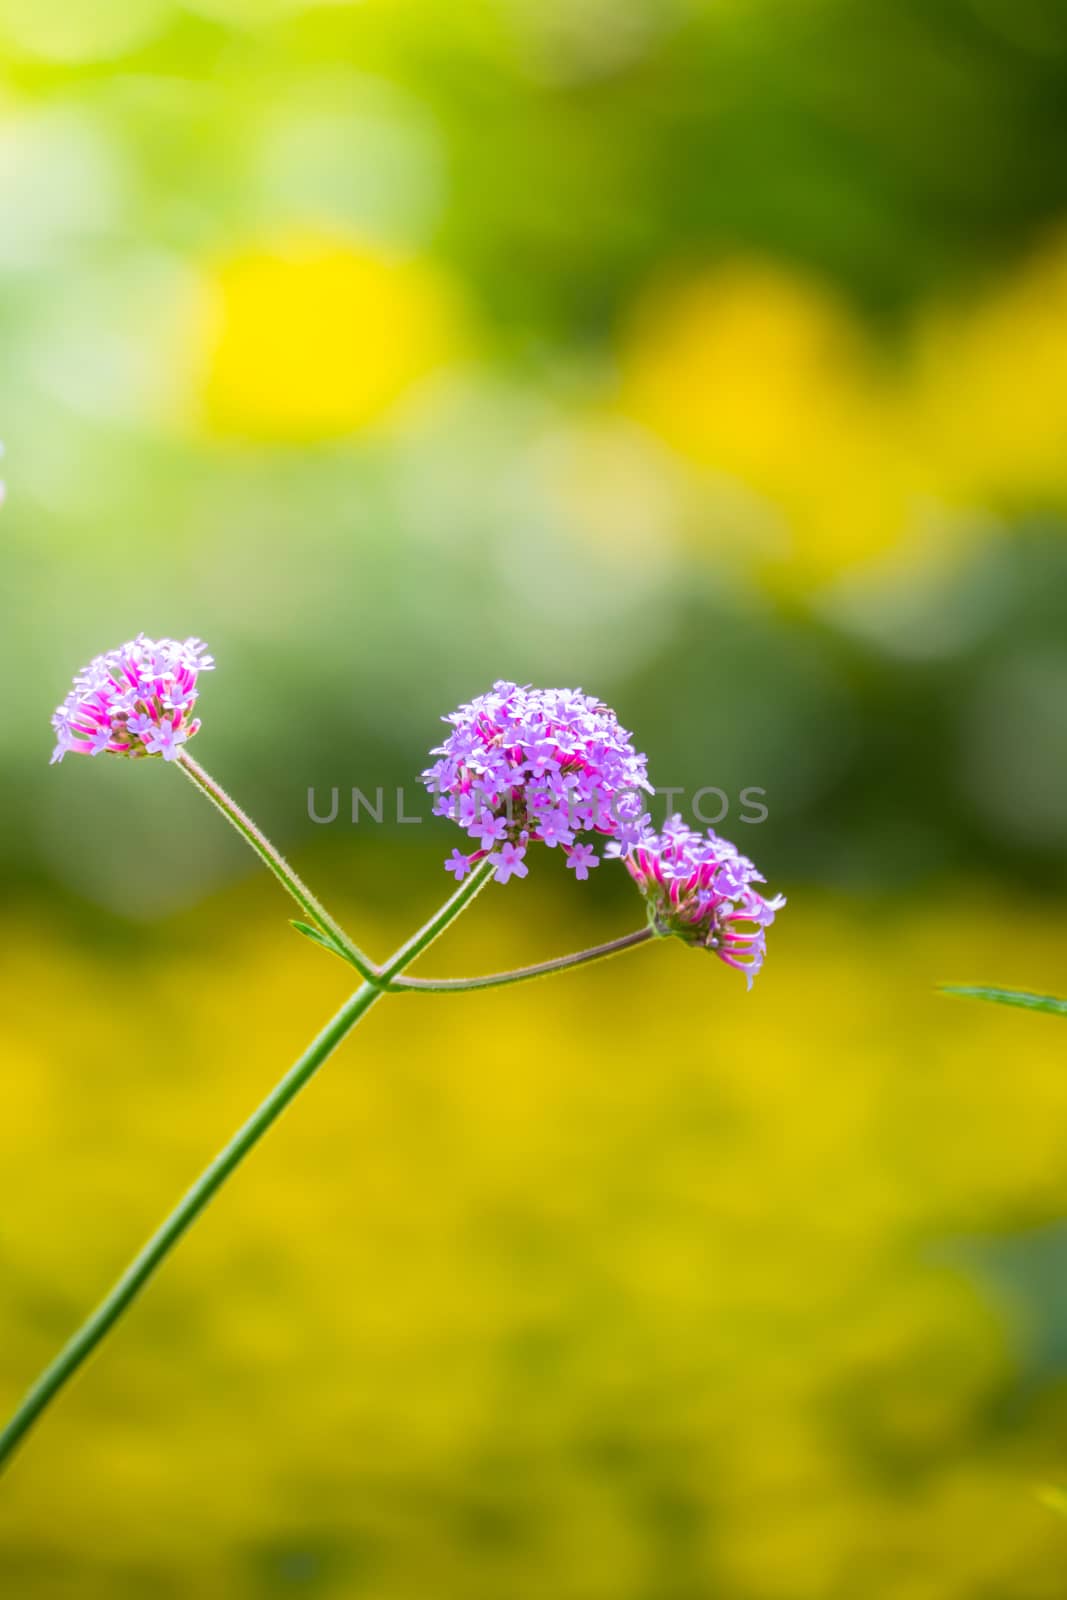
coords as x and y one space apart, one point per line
137 700
702 889
529 766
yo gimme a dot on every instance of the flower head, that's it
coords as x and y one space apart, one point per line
700 888
137 700
528 766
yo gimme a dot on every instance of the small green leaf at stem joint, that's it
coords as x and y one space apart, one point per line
319 938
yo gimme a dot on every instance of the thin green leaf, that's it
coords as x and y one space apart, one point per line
1009 997
319 938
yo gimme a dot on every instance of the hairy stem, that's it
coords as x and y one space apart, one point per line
277 863
543 969
437 924
162 1242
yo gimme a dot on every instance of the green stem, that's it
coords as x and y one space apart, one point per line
278 865
543 969
437 924
162 1242
184 1214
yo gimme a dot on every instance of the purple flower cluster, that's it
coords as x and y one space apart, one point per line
524 766
137 700
700 888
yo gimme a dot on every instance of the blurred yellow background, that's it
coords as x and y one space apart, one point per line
711 357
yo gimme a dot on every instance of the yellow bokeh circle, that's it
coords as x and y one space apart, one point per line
310 337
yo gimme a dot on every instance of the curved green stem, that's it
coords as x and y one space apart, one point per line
437 924
150 1258
145 1263
279 866
543 969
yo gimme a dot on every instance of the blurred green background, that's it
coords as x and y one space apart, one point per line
711 356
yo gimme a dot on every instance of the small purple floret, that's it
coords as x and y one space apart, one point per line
509 863
459 864
581 858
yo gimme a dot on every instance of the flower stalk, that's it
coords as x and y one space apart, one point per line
542 969
148 1260
277 864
